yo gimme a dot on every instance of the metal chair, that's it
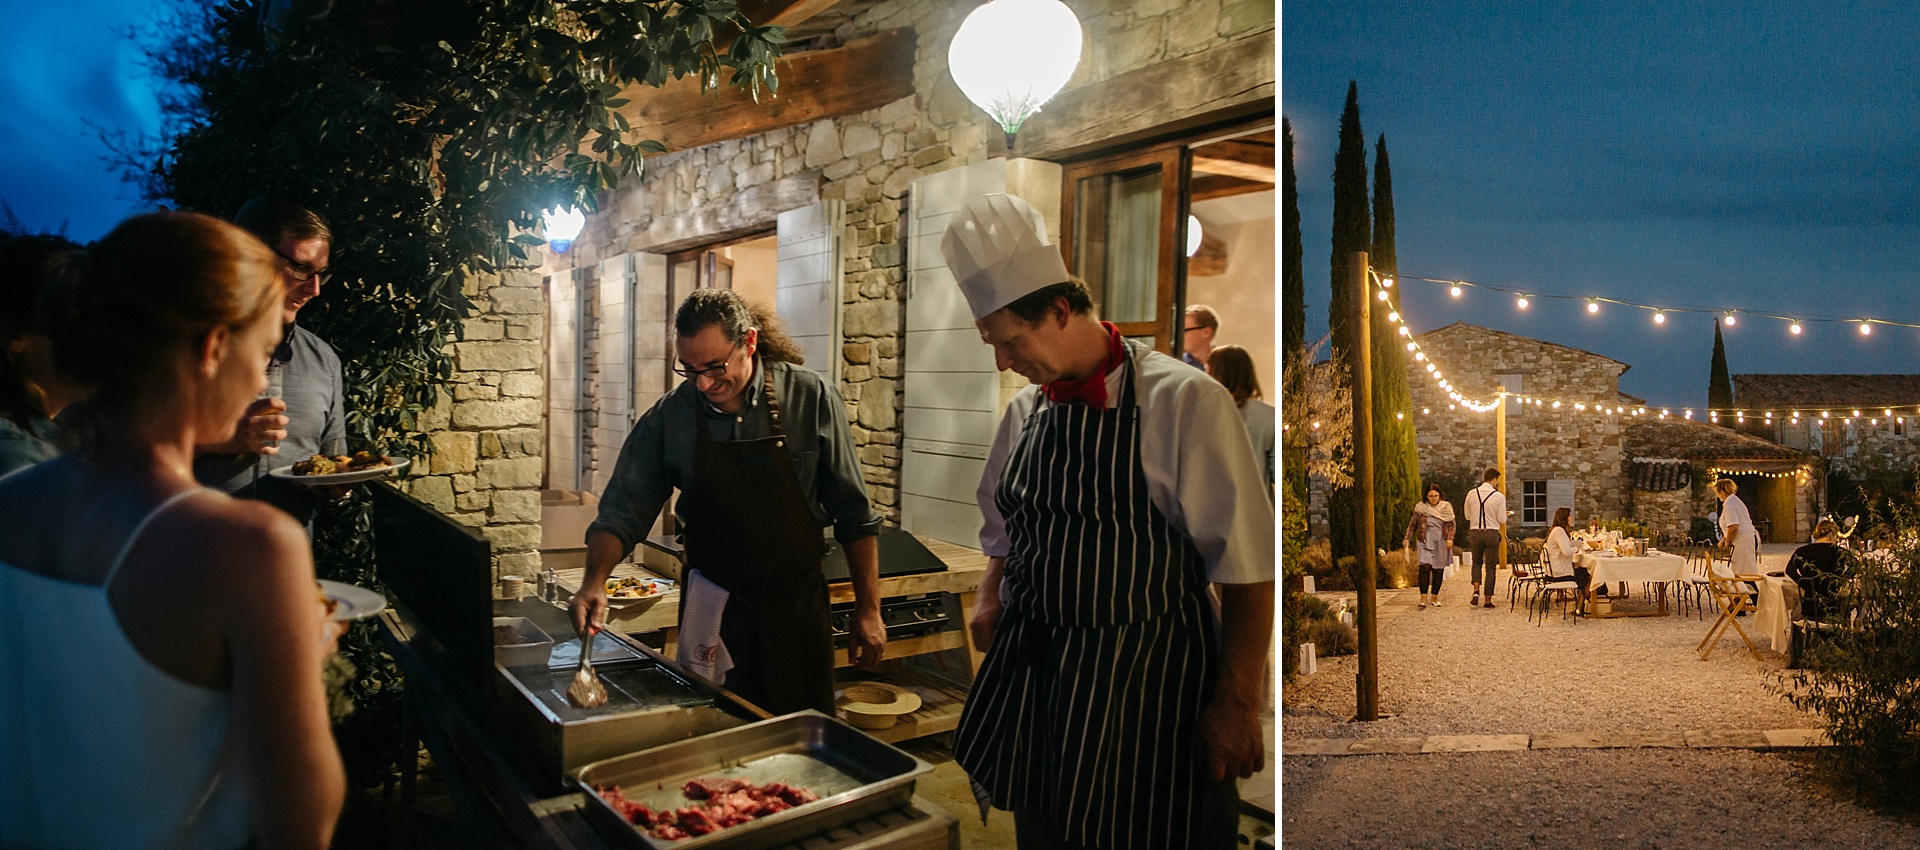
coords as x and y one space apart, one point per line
1524 579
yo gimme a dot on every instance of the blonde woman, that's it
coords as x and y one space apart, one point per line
1430 537
1736 530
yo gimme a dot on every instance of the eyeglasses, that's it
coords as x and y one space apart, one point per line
303 272
1196 328
711 373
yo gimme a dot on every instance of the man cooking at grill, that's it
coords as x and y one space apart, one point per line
1113 709
760 451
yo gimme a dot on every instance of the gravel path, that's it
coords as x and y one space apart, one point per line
1461 671
1653 798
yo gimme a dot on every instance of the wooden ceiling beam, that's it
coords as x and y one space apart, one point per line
861 75
1233 168
783 13
1206 187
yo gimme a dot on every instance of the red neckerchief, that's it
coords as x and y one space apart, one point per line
1090 390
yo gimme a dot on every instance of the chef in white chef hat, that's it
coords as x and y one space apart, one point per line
1130 487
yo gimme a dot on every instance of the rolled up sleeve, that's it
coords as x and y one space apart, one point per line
841 488
640 483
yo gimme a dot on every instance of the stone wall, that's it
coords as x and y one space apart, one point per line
1584 447
1668 512
868 160
487 463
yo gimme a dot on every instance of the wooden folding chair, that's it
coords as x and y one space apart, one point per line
1730 591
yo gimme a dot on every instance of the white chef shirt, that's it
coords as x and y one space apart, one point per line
1496 508
1192 447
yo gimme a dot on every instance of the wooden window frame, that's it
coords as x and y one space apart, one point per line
1173 159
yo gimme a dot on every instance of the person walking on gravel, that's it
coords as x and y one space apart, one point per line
1430 538
1486 524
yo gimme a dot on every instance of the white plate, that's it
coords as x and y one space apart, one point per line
662 585
352 602
355 477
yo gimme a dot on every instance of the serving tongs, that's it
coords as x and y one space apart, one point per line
586 691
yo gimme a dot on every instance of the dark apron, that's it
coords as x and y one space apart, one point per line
1087 708
749 529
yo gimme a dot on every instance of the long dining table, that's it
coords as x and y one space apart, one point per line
1655 567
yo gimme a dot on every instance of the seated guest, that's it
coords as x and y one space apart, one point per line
1560 550
161 643
1233 368
1821 568
32 391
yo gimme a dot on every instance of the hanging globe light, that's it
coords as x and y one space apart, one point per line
1011 56
562 226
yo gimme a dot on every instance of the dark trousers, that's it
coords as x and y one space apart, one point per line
1484 543
1431 576
1218 829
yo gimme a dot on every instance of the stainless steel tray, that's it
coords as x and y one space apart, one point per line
855 776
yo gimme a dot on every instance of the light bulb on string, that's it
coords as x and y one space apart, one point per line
1399 416
1865 328
1556 404
1593 305
1420 355
1522 302
1404 331
1732 319
1383 295
1393 316
1455 291
1794 328
1386 283
1856 414
1689 414
1411 346
1659 317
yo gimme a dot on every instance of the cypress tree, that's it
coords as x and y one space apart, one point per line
1719 382
1396 459
1351 232
1293 281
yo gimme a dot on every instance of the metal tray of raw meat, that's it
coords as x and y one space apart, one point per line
854 775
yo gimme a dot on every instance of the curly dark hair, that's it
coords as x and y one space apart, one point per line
735 316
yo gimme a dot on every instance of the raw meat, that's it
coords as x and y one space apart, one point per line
722 803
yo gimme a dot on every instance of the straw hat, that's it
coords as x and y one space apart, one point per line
876 705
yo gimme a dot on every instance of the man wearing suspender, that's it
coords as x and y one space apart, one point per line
1113 710
1487 523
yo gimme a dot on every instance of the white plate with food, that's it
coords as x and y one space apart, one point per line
341 469
631 589
350 602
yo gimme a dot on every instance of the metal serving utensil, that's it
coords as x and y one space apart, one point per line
586 691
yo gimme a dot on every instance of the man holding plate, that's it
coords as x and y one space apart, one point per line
307 415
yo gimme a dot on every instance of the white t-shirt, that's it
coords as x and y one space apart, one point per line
1745 559
1193 451
1495 509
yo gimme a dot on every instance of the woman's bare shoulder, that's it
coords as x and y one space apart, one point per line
233 537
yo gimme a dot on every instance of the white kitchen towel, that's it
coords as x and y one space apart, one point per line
700 651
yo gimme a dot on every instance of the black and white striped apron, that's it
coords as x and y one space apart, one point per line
1087 707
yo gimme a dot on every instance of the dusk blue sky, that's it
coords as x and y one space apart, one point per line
1728 155
63 64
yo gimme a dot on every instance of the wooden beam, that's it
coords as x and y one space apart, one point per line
784 13
1233 168
1206 187
865 74
1230 82
1211 259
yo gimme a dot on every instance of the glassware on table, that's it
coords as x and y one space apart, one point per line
276 388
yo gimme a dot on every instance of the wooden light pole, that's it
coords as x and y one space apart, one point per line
1500 459
1360 361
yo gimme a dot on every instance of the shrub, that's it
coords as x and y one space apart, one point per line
1864 681
1332 637
1700 529
1398 568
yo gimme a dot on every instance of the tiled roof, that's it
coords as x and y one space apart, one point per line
1658 475
1788 391
1689 440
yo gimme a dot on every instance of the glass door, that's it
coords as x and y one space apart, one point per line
1121 220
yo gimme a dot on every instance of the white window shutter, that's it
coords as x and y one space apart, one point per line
1559 495
563 381
953 398
807 282
614 405
652 328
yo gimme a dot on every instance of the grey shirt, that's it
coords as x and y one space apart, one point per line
658 455
316 420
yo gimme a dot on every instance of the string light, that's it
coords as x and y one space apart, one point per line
1732 319
1593 306
1386 283
1865 328
1718 472
1523 302
1383 295
1455 292
1794 328
1659 317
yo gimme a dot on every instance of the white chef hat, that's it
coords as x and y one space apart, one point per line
996 247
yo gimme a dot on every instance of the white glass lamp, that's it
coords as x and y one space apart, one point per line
562 226
1011 56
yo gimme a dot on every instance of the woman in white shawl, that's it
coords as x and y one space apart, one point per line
1737 532
1430 536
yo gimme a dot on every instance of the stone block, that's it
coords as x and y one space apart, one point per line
1798 738
453 451
859 138
922 137
477 500
517 302
755 176
893 146
463 483
1315 746
1379 746
872 318
436 491
876 405
897 182
519 278
511 473
823 144
929 155
489 415
1136 46
1726 738
857 374
1246 16
889 255
496 356
519 537
888 367
857 352
472 519
439 416
523 564
888 347
524 329
870 456
854 188
516 506
1197 24
490 444
884 212
474 392
522 385
475 330
1567 740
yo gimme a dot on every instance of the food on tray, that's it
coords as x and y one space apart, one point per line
722 803
631 588
327 602
506 635
329 465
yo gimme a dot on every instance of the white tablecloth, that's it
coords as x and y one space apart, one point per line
1770 617
1655 566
